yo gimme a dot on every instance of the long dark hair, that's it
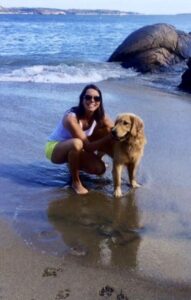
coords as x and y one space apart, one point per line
80 110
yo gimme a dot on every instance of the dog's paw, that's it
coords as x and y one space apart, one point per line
117 193
134 184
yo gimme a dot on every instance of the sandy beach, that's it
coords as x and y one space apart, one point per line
26 274
57 245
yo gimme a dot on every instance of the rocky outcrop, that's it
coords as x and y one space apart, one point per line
185 84
153 48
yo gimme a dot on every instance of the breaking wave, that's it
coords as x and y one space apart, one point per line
65 73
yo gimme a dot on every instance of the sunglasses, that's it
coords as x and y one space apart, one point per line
95 98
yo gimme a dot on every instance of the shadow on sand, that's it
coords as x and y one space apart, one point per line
36 174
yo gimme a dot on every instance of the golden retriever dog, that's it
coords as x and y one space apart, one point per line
126 149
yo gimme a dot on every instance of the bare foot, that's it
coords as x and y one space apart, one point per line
79 188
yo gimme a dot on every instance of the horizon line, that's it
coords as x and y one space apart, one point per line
93 9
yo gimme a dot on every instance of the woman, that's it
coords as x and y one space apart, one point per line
69 141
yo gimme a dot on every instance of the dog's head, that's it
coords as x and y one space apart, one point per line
127 124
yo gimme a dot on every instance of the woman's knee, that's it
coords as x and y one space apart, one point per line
62 150
91 164
77 144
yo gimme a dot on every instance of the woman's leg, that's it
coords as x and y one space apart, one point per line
87 162
91 163
71 151
62 149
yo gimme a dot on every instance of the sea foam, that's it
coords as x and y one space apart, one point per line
65 73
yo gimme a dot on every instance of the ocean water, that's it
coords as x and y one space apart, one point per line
45 62
73 49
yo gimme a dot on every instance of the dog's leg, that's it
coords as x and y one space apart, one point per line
117 171
132 169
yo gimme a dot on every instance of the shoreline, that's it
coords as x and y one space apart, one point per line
159 267
28 274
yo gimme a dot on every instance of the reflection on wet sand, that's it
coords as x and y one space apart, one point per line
105 230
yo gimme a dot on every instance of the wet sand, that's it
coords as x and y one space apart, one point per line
73 246
26 274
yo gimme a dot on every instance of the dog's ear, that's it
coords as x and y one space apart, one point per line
137 125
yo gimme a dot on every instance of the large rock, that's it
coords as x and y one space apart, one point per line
185 85
153 48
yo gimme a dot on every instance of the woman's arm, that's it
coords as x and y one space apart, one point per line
100 136
107 121
71 123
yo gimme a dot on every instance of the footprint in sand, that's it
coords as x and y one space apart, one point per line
121 296
51 272
106 291
63 294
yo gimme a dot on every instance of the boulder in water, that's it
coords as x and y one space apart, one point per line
185 84
153 48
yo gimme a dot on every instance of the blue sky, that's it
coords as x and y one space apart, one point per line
142 6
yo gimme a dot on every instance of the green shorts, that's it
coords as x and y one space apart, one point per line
49 147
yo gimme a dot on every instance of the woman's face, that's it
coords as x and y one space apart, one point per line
91 100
